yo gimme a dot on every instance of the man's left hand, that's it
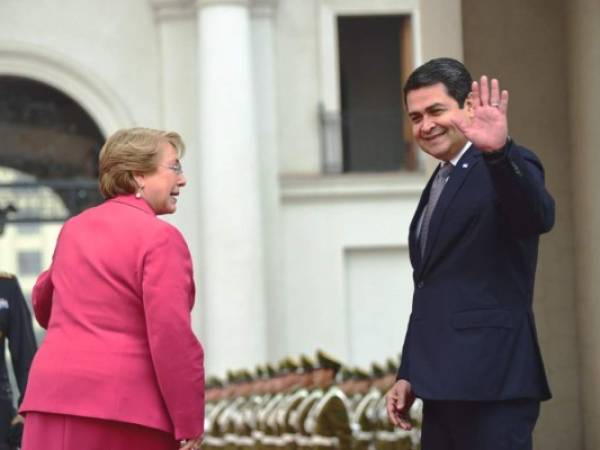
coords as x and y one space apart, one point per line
487 128
399 399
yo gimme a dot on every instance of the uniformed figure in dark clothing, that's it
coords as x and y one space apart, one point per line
15 325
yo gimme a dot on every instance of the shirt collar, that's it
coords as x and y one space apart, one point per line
459 155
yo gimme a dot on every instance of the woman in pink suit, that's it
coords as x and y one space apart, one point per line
120 367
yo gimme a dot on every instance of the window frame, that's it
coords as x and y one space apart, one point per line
330 108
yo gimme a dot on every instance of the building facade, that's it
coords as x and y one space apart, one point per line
302 177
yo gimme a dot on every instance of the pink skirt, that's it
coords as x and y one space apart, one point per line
62 432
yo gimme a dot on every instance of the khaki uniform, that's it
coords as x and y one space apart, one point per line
213 434
328 422
365 421
253 406
227 423
244 424
286 430
298 419
387 436
259 428
354 401
267 424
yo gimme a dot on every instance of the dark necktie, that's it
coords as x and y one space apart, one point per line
434 195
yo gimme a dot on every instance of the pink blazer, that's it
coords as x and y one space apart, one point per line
116 302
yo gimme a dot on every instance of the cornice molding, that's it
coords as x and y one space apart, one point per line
173 9
263 8
186 9
205 3
294 188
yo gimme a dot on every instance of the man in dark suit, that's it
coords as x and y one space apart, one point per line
471 350
15 325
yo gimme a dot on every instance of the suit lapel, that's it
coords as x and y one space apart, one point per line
456 180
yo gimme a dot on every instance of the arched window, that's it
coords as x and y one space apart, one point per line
49 149
53 143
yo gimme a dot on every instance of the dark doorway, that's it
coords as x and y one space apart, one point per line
374 55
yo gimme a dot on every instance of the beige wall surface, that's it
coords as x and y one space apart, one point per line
441 24
523 45
583 60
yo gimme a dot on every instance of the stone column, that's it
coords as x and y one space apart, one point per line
262 20
176 21
232 241
583 35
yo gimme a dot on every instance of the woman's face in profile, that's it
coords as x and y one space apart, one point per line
161 188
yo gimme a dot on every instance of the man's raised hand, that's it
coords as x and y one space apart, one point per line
487 126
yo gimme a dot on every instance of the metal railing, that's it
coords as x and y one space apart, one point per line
369 140
46 201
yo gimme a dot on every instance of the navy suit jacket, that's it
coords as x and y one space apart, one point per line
471 334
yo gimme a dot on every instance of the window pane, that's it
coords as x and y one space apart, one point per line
371 58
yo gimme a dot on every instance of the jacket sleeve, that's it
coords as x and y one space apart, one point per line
518 178
21 339
177 355
41 297
403 368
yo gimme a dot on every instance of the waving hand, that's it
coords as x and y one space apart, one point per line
488 126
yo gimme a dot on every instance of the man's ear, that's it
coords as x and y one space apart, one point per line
468 106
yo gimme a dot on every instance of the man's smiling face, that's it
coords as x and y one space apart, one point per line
430 110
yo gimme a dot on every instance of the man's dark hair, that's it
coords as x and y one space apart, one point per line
450 72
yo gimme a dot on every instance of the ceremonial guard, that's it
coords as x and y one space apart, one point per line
214 432
328 421
270 392
362 384
364 422
227 418
258 397
298 416
345 382
15 325
288 383
298 407
212 396
267 421
241 432
262 394
298 393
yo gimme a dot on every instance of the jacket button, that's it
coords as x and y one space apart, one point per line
420 285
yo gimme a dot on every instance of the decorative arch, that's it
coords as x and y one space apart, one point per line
92 95
96 97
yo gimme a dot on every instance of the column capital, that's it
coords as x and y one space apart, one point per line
263 8
204 3
173 9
